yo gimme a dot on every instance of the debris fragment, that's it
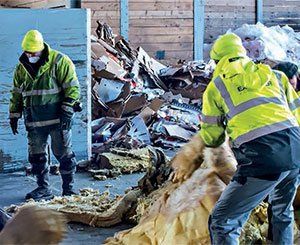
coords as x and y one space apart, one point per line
100 177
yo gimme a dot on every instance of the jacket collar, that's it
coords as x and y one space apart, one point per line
35 70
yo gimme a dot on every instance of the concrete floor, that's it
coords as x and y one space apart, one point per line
14 186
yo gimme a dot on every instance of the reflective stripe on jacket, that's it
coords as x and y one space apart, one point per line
41 98
248 101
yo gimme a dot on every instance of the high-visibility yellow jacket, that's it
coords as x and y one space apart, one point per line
40 98
247 100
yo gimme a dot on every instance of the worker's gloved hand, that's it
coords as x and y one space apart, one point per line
66 117
188 159
14 125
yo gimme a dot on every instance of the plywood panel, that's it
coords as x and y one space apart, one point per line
66 30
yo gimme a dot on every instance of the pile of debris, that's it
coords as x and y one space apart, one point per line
275 44
119 161
88 207
138 101
269 45
165 212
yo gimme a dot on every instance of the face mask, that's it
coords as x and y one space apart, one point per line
33 59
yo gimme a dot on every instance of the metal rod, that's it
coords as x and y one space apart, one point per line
124 19
259 11
199 17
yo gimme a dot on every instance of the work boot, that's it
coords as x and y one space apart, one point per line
42 191
67 184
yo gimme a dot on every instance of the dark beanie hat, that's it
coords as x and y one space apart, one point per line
288 68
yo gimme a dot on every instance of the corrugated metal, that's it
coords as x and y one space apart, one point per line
66 30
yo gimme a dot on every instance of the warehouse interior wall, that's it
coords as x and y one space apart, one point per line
66 30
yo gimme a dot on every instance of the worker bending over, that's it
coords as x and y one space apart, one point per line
259 110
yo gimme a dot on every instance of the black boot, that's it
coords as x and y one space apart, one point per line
42 191
67 184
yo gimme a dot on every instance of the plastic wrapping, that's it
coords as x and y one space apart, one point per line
274 43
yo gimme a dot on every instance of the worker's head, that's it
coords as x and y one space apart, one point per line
290 70
33 45
228 44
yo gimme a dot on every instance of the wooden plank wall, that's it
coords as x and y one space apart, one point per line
167 25
282 12
221 15
162 25
104 10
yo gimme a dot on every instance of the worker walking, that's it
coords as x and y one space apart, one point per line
259 110
46 92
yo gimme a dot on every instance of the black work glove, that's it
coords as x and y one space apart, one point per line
14 125
66 118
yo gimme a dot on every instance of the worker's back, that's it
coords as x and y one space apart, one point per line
252 101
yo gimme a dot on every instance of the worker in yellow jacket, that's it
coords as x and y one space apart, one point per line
260 112
46 92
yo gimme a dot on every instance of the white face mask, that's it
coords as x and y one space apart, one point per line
33 59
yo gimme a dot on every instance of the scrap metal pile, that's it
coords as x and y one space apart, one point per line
137 101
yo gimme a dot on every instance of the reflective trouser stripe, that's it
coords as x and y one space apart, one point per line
268 129
71 84
295 104
235 110
42 92
43 123
15 115
211 119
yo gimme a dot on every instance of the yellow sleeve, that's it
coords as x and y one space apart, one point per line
213 124
293 98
